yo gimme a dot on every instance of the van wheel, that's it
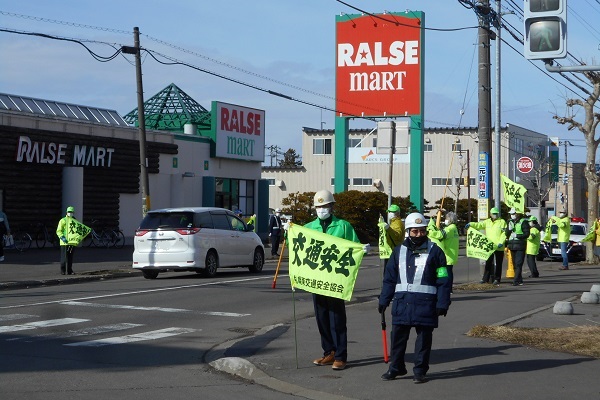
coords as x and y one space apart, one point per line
258 261
150 274
211 264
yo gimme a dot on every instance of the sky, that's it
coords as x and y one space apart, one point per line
286 46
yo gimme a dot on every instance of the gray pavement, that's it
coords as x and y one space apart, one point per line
461 367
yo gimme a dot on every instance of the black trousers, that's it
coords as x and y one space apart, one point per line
518 258
400 335
493 267
275 238
531 263
331 321
66 259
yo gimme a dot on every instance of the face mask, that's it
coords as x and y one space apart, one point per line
561 215
417 240
391 216
447 222
278 214
494 216
513 217
69 214
323 213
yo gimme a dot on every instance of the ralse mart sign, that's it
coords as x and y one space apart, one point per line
239 132
378 65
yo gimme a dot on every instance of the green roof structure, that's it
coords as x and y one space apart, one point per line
171 109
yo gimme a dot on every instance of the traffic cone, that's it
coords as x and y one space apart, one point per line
510 269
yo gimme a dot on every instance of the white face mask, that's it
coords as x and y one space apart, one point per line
513 217
391 216
494 216
69 214
323 213
278 214
447 222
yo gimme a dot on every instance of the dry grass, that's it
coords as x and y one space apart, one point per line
478 287
580 340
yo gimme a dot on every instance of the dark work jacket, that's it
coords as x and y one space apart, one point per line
415 308
517 234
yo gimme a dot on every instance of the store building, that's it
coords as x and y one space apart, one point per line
451 160
55 154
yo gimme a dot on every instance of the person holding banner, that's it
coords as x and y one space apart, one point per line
330 312
533 246
495 231
447 238
564 234
66 245
416 280
517 231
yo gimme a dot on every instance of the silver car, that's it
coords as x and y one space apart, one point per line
200 239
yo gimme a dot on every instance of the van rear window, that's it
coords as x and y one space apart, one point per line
174 220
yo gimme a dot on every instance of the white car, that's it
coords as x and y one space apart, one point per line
575 247
200 239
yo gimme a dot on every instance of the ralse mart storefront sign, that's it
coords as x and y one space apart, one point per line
239 132
54 153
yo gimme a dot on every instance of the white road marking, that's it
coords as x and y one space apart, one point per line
40 324
79 332
152 335
163 309
142 292
12 317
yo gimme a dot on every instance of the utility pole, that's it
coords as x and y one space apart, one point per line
566 143
484 109
498 123
141 118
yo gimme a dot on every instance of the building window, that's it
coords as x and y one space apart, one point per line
362 181
441 181
428 147
354 143
333 181
271 181
321 146
457 147
235 194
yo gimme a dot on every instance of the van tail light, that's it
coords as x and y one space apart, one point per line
187 231
141 232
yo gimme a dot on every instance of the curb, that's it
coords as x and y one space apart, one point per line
77 278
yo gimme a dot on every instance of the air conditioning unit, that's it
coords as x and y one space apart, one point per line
377 183
279 183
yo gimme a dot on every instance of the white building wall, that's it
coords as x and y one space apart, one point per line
442 159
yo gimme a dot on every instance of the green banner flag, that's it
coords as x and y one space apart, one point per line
514 194
385 251
323 264
76 231
478 245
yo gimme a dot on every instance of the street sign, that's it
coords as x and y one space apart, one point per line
524 165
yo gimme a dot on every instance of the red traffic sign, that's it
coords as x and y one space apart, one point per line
524 165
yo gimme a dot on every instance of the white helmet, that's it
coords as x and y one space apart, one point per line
323 197
415 220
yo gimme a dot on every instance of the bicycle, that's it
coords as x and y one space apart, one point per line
22 240
97 237
117 238
42 236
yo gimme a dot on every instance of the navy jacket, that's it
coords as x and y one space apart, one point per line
410 307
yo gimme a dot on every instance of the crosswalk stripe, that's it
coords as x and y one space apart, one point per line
12 317
40 324
162 309
79 332
138 337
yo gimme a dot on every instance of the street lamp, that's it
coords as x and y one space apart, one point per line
468 181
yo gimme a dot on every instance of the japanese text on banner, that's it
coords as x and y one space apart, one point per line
323 264
514 194
385 250
479 246
76 231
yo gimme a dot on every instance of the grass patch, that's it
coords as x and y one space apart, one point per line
477 287
580 340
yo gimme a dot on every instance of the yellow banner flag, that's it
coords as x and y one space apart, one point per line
385 251
478 245
514 194
76 231
323 264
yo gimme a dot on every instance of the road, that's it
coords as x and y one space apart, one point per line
137 338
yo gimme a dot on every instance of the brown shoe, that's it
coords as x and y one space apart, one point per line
325 360
339 365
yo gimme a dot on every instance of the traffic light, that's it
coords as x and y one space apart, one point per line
545 29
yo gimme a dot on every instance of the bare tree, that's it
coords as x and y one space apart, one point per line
539 179
588 128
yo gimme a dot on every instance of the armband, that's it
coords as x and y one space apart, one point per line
442 272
